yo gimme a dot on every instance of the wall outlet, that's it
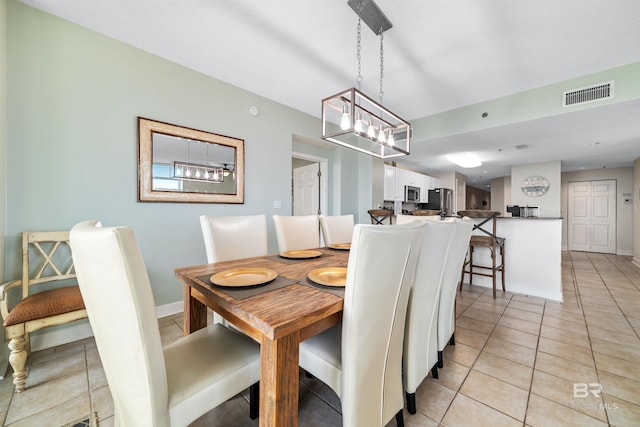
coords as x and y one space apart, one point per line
277 204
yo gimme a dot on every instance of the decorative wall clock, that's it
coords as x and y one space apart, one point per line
535 186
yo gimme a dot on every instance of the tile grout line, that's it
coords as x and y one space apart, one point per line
475 361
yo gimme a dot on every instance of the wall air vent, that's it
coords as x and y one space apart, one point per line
587 94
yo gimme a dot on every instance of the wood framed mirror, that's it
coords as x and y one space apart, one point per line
180 164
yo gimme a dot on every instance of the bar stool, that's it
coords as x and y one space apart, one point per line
378 216
491 241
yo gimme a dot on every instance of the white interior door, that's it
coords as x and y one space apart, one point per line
592 216
306 190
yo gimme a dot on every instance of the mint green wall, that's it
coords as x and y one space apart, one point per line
3 158
73 99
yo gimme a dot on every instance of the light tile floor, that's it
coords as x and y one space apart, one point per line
517 361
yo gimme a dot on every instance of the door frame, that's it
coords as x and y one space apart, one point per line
324 178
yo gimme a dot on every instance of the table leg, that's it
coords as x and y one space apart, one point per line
279 381
195 313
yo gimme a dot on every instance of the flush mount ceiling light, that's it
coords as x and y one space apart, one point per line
352 119
464 160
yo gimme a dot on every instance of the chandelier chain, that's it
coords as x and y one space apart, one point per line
358 56
381 94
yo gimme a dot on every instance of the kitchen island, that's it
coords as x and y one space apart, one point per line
533 256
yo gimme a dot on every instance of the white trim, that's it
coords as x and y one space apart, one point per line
81 329
521 290
636 261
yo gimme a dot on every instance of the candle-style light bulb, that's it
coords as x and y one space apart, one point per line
381 137
371 132
390 139
359 125
345 123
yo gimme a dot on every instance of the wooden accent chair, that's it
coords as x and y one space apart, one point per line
489 240
378 216
46 259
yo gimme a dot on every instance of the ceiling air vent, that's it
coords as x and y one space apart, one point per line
587 94
522 146
402 135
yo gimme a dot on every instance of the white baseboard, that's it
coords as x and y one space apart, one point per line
625 252
523 290
636 261
81 329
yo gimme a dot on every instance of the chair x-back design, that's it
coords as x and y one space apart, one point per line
49 295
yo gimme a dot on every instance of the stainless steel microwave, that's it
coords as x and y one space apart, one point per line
411 194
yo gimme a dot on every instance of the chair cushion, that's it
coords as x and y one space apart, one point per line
46 304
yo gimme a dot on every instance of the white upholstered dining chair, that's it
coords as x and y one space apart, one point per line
421 332
337 228
234 237
297 232
361 359
152 386
450 279
405 219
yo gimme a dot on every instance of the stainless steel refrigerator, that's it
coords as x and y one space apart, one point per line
441 199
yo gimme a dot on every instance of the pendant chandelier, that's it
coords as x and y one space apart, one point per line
352 119
197 171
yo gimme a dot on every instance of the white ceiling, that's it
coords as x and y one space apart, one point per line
439 55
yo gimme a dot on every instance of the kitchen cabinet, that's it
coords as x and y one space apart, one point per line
424 189
400 183
433 183
389 182
395 179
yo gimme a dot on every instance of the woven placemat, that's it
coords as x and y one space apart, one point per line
332 290
249 291
283 260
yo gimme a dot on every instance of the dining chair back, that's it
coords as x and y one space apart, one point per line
406 219
452 272
297 232
361 360
234 237
151 386
337 229
421 331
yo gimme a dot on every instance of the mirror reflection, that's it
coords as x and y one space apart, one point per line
184 164
179 164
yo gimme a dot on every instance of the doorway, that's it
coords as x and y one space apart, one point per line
309 184
592 216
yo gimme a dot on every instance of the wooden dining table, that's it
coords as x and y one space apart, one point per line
278 315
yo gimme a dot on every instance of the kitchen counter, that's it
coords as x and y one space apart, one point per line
533 256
